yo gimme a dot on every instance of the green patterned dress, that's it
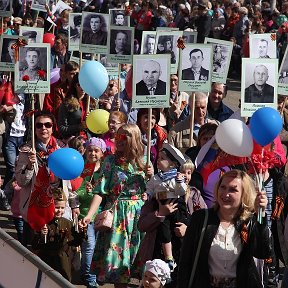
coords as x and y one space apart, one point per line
115 254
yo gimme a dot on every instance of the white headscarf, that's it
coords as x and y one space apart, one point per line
160 269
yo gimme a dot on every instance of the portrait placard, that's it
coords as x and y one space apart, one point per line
112 68
263 46
5 8
33 34
33 60
121 44
167 29
166 43
94 32
7 53
151 81
222 51
189 37
148 42
75 56
196 68
39 5
283 75
118 18
259 85
74 31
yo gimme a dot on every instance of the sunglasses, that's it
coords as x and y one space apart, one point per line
39 125
120 137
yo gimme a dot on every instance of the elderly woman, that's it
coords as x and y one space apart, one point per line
231 239
34 176
122 183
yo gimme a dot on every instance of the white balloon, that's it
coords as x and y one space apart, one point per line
234 137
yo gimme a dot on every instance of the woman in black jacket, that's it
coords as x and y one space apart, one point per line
233 236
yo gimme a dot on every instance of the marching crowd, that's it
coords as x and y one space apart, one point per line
169 226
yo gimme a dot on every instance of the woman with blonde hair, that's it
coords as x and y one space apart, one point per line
122 183
232 237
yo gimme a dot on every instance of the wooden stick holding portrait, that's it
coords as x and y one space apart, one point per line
192 108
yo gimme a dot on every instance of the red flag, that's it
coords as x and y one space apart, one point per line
9 98
88 170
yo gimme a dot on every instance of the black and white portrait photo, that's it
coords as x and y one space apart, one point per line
283 75
260 91
34 63
118 17
39 5
32 59
189 37
259 84
8 53
94 30
148 42
222 51
196 67
167 45
151 81
74 30
120 42
5 8
220 58
198 60
33 34
263 46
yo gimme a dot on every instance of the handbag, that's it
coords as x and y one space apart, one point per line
198 249
104 220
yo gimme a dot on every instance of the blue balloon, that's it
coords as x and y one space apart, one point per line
93 78
265 124
66 163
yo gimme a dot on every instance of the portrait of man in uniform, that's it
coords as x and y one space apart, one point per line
119 18
93 31
4 5
260 91
151 83
196 71
32 56
31 35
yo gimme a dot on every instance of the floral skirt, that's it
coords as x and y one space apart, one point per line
115 255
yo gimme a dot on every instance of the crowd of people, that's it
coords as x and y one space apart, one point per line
170 227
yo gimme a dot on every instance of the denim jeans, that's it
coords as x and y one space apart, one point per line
10 152
19 223
87 250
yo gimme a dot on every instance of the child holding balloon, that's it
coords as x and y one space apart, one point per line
95 149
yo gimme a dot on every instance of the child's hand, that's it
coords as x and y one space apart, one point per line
44 230
89 187
149 171
167 208
180 229
180 177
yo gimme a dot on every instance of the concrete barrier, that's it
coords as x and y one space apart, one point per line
21 268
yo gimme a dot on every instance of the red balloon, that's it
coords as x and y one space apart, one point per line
128 83
49 38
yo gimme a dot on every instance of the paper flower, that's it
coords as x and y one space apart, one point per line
41 74
25 78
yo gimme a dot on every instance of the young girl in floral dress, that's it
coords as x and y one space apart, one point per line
122 176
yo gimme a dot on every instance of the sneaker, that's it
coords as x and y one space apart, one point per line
4 205
172 265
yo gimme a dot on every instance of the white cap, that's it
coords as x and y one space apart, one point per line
160 269
174 154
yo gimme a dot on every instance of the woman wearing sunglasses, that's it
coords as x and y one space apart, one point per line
122 176
33 175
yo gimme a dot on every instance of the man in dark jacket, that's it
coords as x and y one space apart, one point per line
204 21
